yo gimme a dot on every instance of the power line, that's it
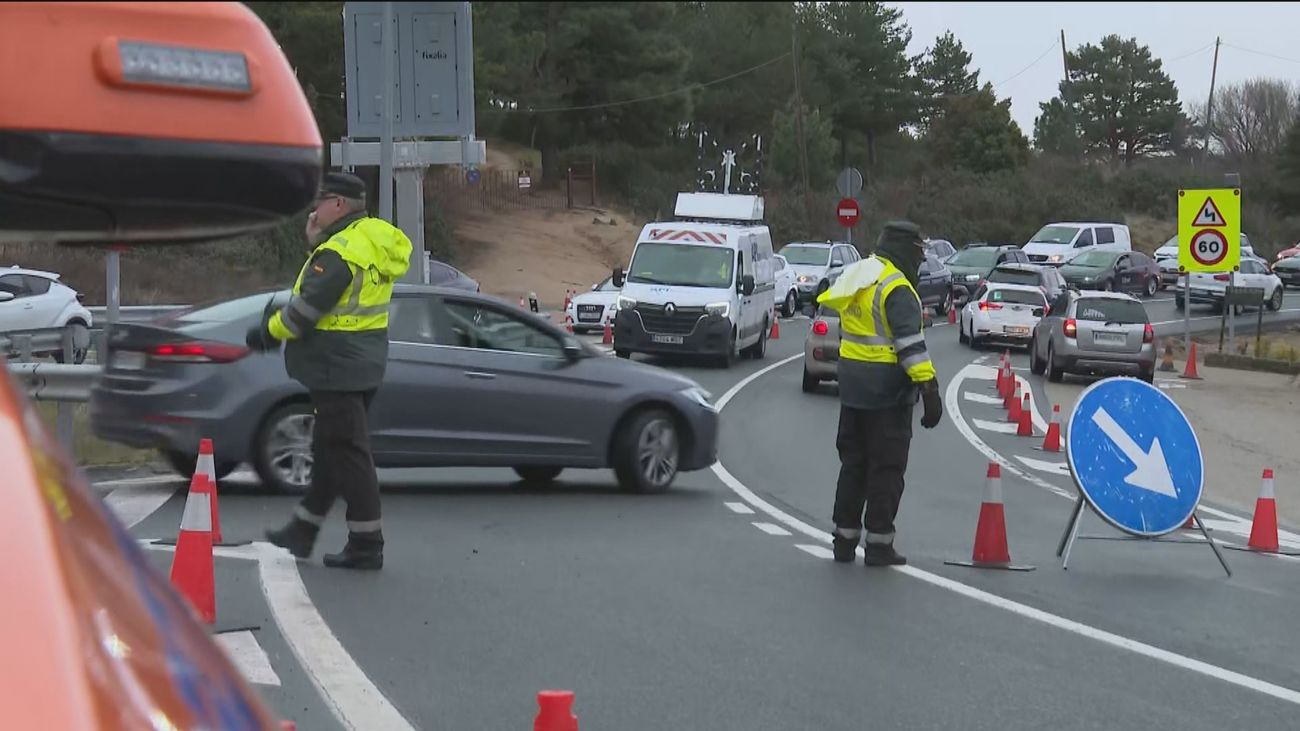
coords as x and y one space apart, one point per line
1033 63
1262 53
652 97
1197 52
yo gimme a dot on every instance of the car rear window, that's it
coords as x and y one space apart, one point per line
1010 276
1111 310
979 257
221 311
1016 297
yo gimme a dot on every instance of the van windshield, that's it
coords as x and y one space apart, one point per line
1054 235
818 256
682 265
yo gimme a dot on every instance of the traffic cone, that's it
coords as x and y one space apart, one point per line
1013 413
1052 442
192 570
567 300
522 305
1190 370
608 337
952 315
555 711
207 464
1263 529
776 330
1001 384
568 324
990 551
1167 362
1025 427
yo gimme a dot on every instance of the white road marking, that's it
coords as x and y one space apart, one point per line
818 551
740 508
1000 427
244 651
772 530
980 398
1023 610
1054 468
353 699
148 480
132 505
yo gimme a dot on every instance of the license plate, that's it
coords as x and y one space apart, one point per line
128 360
588 317
668 339
1110 338
1015 330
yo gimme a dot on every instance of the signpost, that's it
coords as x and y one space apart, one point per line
1209 240
848 213
1136 461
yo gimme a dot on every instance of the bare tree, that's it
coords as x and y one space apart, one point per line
1250 120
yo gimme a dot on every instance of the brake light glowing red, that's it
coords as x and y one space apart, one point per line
1222 277
1148 334
820 327
198 351
1071 328
986 306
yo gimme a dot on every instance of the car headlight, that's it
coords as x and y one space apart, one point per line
1055 257
721 309
626 303
972 277
699 396
805 278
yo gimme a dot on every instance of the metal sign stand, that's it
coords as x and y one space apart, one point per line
1076 518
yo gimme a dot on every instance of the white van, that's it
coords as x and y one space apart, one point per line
702 284
1057 243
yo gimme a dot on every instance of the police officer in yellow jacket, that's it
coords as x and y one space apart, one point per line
336 330
883 364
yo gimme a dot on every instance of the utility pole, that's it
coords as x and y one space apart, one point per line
1209 103
1065 57
798 121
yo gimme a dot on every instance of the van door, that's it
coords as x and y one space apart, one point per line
750 313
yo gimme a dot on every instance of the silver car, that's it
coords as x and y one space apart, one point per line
471 382
1099 333
821 349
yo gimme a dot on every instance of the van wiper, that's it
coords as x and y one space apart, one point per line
643 279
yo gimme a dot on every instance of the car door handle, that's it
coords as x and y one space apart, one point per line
481 375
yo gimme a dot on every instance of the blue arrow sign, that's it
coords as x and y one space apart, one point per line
1135 457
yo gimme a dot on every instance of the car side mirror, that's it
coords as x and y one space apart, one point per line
836 263
618 277
6 296
747 284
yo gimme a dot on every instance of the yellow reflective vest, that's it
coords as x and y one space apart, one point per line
859 295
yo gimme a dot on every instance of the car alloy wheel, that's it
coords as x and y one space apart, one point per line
1152 286
657 452
286 459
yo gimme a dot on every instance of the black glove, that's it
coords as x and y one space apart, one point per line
256 339
933 404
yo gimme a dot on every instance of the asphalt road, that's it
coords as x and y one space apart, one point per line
709 607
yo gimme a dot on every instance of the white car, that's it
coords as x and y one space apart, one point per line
35 300
1167 257
1058 243
1003 313
591 310
786 297
1211 288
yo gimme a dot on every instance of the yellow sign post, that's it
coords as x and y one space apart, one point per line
1209 230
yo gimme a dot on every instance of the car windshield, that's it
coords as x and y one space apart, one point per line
807 255
1096 259
1111 310
681 265
1015 276
1054 235
1016 297
226 310
974 257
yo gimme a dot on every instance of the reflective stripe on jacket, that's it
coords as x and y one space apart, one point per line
869 333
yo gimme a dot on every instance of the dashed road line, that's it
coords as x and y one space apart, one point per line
247 654
818 551
1051 468
999 427
740 508
771 530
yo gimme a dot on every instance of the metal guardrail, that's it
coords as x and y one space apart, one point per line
56 381
134 313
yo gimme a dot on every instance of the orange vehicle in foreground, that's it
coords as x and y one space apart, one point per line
125 123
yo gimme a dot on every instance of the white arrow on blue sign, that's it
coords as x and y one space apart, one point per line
1135 457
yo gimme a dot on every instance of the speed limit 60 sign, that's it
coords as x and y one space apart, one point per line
1209 230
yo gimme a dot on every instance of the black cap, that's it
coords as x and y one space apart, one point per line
342 184
903 231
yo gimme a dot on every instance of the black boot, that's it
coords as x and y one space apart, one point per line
883 554
299 537
845 549
363 551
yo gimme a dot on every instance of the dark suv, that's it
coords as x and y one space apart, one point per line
971 265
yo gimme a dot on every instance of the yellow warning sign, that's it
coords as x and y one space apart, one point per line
1209 230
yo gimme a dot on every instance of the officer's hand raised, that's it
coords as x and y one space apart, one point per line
933 404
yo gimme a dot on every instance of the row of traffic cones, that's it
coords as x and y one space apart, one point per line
1167 362
1020 411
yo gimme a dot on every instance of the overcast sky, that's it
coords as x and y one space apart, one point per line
1004 39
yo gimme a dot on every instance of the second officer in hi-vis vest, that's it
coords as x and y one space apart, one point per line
336 330
884 368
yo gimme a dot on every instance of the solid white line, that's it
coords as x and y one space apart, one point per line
1053 468
980 398
244 651
771 530
1000 427
134 505
740 508
818 551
356 702
994 600
149 480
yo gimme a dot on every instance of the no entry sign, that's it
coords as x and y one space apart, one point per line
848 212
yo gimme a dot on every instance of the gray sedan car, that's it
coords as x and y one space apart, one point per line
471 382
821 349
1099 333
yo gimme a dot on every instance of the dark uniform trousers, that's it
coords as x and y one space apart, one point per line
873 446
342 465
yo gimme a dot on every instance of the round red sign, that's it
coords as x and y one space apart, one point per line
848 212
